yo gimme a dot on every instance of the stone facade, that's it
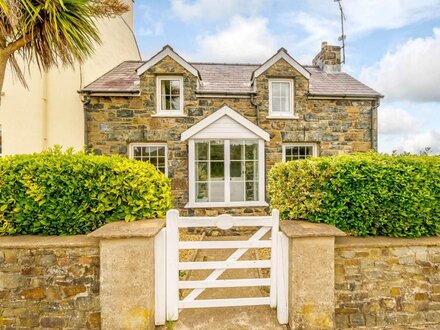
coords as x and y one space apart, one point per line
329 58
49 287
387 284
337 126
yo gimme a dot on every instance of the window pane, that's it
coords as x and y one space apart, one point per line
251 151
137 151
217 191
201 171
175 87
175 103
217 171
236 170
276 89
276 104
251 191
202 192
217 150
284 105
202 150
236 151
284 90
251 170
165 87
237 191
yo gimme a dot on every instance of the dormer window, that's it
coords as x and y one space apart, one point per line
169 95
281 97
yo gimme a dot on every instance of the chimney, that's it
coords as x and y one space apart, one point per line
329 58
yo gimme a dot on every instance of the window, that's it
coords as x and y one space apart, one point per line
170 96
226 172
281 97
155 154
298 151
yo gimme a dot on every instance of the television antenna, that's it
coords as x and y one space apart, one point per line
342 37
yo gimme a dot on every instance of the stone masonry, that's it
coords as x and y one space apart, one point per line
380 283
49 287
337 126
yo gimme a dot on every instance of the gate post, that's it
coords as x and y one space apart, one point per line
172 240
127 290
311 278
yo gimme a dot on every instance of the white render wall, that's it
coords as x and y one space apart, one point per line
51 111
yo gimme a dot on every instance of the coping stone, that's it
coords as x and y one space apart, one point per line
44 242
347 242
297 228
122 229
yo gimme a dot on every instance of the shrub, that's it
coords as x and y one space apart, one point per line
56 193
362 194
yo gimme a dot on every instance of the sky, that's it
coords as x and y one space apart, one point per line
393 46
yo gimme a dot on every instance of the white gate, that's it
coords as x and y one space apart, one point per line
168 265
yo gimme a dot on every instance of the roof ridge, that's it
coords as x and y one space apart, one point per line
222 63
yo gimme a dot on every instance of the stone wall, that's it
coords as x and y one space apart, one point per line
49 283
336 126
381 282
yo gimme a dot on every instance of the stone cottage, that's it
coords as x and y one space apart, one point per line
216 129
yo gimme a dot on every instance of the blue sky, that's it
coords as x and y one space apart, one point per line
392 45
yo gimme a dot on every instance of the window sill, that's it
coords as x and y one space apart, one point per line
282 117
175 115
227 205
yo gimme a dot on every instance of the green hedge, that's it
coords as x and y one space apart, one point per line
56 193
362 194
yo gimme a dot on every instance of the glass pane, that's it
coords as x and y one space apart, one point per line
284 90
217 171
237 191
236 170
165 87
161 151
276 104
284 105
236 151
202 150
153 151
217 191
137 151
276 89
251 150
309 151
295 152
161 161
217 150
175 103
251 170
202 192
167 104
175 87
201 171
251 191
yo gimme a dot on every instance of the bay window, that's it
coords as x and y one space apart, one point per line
226 172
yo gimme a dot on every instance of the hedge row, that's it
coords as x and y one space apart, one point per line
362 194
56 193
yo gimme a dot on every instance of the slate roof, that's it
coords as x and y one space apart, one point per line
231 79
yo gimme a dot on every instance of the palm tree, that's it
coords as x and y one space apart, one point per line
50 32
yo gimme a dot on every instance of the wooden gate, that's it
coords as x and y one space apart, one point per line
167 271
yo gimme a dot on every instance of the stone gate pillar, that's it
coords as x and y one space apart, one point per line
127 273
311 277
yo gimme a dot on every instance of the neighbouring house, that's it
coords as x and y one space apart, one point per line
51 112
216 129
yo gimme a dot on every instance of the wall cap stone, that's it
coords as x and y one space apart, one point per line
44 242
342 242
296 229
122 229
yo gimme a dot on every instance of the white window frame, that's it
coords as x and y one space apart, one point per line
288 145
227 203
168 113
276 114
133 145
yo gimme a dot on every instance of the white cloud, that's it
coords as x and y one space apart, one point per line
412 72
362 17
415 143
243 40
393 120
213 10
150 25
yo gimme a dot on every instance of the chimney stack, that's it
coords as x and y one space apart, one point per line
329 58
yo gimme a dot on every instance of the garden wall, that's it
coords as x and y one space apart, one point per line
387 282
49 282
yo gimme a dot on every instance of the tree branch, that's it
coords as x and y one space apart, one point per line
17 44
